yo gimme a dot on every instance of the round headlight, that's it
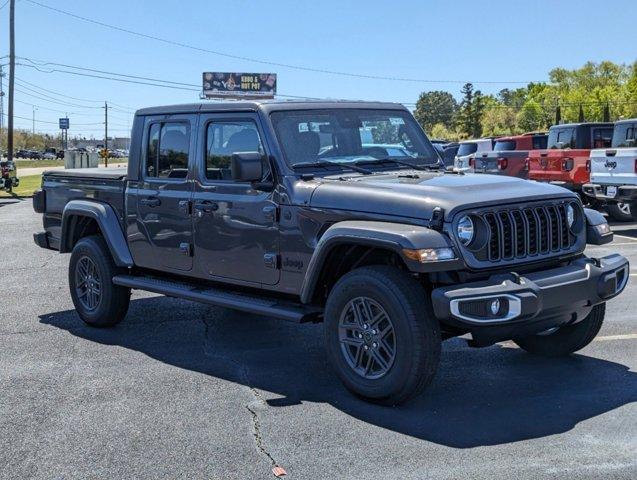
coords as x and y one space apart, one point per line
570 215
465 230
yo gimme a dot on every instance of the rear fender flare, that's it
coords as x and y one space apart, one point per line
108 223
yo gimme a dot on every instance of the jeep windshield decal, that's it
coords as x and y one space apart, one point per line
346 137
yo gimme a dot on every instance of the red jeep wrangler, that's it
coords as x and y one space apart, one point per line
567 161
510 155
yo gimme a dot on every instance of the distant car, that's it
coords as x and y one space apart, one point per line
510 155
467 152
49 156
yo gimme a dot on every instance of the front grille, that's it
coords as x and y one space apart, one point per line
521 232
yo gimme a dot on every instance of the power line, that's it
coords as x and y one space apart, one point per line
57 93
256 60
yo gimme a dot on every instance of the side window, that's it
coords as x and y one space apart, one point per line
540 142
168 145
225 138
602 137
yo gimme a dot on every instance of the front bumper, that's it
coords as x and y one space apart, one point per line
625 193
533 303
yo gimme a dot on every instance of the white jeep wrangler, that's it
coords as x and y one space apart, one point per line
614 173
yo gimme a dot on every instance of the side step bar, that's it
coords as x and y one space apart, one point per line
289 311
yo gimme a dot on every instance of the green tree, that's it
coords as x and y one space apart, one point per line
465 113
531 117
435 107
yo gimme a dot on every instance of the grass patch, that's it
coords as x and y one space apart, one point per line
37 163
27 186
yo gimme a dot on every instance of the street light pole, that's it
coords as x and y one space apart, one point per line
34 109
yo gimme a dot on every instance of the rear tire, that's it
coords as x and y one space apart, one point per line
98 302
622 212
567 339
382 313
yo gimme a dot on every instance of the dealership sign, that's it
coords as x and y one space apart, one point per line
64 123
239 85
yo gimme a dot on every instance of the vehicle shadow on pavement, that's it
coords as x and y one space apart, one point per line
480 397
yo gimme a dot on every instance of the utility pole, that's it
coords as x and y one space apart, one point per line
1 100
34 109
106 134
11 78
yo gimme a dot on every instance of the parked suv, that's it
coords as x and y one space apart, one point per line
285 209
467 152
567 161
614 173
510 155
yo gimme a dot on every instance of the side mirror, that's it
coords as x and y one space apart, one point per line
247 166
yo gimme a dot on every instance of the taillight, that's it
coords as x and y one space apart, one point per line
567 164
636 165
5 170
472 161
503 163
527 164
588 165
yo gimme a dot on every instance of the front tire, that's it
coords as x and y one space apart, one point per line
567 339
98 302
622 212
382 338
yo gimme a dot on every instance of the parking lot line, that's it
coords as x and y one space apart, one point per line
633 239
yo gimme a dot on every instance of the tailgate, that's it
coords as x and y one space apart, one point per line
568 166
614 166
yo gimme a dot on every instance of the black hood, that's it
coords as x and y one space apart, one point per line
409 195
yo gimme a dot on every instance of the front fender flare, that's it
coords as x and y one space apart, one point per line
109 225
391 236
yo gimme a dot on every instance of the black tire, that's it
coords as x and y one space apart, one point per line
625 215
417 339
112 301
568 339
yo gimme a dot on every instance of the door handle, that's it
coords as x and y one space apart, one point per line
206 206
150 202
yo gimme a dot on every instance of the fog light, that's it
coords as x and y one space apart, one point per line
427 255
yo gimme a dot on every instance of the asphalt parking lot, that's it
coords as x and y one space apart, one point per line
181 390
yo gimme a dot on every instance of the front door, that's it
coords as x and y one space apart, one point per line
235 224
162 196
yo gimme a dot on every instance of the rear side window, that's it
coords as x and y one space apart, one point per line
624 135
467 149
540 142
562 138
503 145
602 137
167 150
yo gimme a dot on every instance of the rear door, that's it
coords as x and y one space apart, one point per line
235 223
161 238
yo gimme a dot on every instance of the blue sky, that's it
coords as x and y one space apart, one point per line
451 41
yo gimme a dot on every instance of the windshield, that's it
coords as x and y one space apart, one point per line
504 145
467 149
349 135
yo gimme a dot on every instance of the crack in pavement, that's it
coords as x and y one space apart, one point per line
252 407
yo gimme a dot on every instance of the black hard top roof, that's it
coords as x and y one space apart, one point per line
583 124
265 105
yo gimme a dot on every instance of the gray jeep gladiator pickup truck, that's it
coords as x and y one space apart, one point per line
340 212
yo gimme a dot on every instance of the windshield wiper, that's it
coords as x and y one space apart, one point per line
426 167
327 163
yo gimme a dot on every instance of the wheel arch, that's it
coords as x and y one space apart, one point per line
351 244
84 217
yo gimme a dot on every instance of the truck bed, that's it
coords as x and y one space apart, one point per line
106 185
